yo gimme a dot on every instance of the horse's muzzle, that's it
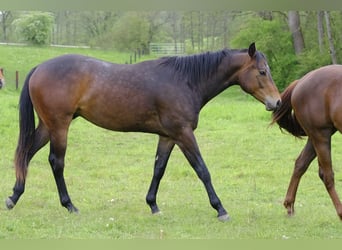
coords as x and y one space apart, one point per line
272 105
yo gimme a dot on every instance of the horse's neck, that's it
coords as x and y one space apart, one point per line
227 75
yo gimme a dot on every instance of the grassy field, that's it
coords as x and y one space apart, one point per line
108 174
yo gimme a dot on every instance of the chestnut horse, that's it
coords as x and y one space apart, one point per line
312 107
162 96
2 78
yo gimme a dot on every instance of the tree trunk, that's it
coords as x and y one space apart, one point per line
330 38
192 31
294 25
320 29
5 22
225 29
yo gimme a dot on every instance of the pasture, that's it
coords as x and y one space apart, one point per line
108 174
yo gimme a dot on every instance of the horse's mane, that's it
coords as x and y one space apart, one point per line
197 67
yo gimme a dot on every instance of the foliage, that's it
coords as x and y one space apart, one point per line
99 26
6 18
130 32
311 59
35 27
274 40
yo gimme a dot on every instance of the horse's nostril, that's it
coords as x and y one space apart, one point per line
278 103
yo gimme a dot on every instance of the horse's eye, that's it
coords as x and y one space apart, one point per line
262 72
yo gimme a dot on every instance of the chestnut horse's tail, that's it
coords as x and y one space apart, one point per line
26 131
284 115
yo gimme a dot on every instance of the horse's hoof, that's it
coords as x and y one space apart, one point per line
224 217
154 209
71 208
157 213
290 213
9 203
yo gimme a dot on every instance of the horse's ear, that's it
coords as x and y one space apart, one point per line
251 50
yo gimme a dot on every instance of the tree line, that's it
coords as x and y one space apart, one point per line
295 42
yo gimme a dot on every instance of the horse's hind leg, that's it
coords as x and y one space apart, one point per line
301 165
41 137
165 146
322 145
58 143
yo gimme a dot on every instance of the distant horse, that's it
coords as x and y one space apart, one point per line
312 106
162 96
2 78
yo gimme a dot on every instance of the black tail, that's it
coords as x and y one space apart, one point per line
26 132
284 115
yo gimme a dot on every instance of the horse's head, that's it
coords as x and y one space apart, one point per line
255 78
2 78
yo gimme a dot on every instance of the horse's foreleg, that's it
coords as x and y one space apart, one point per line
187 143
326 173
301 165
41 137
56 159
165 146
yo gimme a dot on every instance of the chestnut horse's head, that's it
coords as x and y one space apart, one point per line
255 78
2 78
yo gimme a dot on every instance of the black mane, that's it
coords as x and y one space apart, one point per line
196 67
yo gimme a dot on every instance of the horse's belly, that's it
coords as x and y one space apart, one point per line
125 120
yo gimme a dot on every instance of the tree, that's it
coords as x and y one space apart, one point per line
330 38
174 18
297 36
156 21
5 20
35 27
98 26
320 29
131 32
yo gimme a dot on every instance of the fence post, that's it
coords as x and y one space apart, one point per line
17 80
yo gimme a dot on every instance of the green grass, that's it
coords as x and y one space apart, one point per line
108 174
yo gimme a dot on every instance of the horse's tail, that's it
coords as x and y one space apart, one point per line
26 131
284 115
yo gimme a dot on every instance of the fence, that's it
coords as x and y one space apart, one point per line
135 55
9 77
167 48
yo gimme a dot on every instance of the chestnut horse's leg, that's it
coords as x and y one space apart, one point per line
58 143
301 165
187 143
165 146
41 137
322 143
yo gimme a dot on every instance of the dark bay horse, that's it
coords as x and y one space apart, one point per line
2 78
312 107
162 96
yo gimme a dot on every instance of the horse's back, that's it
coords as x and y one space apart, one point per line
76 85
317 97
